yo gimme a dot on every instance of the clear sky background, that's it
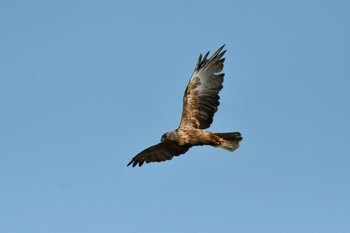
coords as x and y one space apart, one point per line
86 85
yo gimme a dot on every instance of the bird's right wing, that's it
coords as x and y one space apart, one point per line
163 151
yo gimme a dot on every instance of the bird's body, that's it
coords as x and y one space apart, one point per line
200 102
194 137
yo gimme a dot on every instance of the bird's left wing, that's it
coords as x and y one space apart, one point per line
163 151
201 98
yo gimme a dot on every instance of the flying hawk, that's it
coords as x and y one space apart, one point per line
200 102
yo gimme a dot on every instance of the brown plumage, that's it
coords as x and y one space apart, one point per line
200 102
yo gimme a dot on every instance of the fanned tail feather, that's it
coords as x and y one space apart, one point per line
231 140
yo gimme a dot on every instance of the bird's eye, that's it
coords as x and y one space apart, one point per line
163 137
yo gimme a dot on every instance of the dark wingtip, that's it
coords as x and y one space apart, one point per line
220 50
202 61
222 46
134 163
205 56
200 58
198 62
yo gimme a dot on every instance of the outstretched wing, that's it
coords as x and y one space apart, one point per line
163 151
201 98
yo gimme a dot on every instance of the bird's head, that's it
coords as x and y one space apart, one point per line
164 137
172 136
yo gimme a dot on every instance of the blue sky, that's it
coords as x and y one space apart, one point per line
86 85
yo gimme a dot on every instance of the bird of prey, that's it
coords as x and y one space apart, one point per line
200 102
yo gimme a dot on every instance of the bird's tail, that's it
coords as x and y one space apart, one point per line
231 140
